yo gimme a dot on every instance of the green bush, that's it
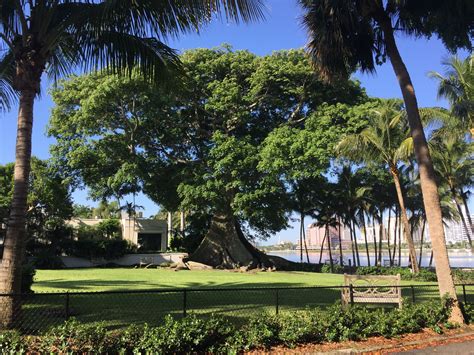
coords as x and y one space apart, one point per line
45 259
337 269
405 272
74 337
463 276
216 334
11 342
28 273
187 335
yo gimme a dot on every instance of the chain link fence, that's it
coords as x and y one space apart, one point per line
37 312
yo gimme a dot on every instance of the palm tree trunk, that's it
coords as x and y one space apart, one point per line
355 244
301 241
352 245
388 238
322 246
463 220
431 256
14 244
400 239
329 249
365 238
468 213
429 186
304 237
406 224
421 242
380 241
374 235
395 229
341 258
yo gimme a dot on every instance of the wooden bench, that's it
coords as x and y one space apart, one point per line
372 289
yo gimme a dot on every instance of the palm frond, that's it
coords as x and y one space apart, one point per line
8 95
341 40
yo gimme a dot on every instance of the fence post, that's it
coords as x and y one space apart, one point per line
67 311
185 296
351 293
464 293
412 294
277 301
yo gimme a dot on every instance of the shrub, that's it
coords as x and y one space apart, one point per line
463 276
405 272
260 331
27 278
47 260
74 337
11 342
191 334
217 335
337 269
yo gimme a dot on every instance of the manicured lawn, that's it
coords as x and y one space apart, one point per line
127 300
136 279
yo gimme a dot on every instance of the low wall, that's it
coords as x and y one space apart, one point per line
126 260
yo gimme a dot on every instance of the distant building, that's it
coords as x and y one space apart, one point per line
315 236
146 234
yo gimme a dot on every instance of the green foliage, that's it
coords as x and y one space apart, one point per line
27 277
45 259
202 155
215 334
405 273
74 337
337 269
11 342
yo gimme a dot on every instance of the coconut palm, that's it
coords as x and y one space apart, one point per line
57 37
455 168
457 85
385 140
359 34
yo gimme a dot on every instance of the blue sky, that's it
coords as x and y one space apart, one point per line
281 30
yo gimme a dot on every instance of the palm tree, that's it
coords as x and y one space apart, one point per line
56 37
455 168
385 140
457 85
345 35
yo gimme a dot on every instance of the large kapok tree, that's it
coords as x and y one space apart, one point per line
195 147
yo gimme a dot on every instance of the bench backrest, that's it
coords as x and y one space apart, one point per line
372 280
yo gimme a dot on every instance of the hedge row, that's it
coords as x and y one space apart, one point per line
217 335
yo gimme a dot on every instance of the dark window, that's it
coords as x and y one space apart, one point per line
149 241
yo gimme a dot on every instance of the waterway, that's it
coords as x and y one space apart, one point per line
458 258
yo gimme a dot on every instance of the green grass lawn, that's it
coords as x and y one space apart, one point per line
136 279
208 292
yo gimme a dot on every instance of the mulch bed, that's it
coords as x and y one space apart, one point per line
381 345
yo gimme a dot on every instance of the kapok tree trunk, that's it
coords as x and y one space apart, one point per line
14 245
405 222
225 246
429 187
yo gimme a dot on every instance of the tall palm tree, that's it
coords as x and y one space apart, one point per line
455 168
385 140
57 37
457 85
345 35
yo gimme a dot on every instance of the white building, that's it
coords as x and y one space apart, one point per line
146 234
